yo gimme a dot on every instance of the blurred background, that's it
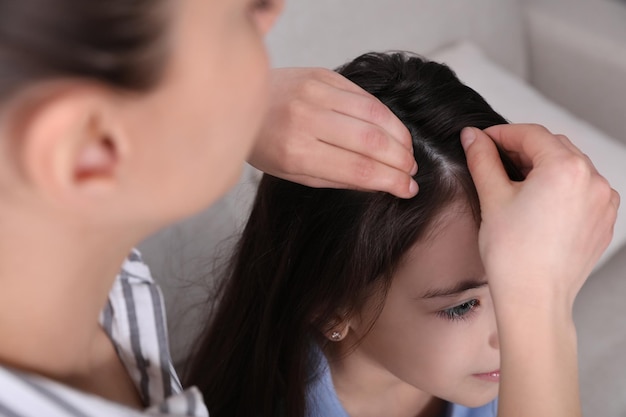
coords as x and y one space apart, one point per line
561 63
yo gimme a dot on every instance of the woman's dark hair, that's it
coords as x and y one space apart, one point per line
117 42
307 254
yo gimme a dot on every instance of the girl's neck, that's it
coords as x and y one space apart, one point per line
55 277
367 390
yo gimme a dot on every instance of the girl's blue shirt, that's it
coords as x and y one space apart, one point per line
322 400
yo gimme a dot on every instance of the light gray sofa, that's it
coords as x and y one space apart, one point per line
557 62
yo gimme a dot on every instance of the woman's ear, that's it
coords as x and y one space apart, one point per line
70 145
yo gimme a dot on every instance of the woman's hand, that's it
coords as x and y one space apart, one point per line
545 234
322 130
539 240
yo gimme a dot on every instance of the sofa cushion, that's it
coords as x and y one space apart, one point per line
521 103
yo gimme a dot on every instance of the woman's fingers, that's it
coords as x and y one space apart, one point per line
526 144
346 169
543 234
366 139
485 165
323 129
363 106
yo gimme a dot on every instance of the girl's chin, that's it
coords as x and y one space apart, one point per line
478 400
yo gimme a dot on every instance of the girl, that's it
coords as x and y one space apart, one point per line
118 117
342 303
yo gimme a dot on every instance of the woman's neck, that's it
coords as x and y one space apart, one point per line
54 280
365 389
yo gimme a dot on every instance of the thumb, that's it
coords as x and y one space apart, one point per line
485 165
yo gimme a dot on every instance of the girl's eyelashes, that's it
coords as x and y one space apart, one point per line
460 312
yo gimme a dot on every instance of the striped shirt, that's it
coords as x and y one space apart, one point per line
134 319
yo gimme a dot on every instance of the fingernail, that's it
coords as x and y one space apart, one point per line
468 136
413 187
414 169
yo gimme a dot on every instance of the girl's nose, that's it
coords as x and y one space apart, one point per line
494 341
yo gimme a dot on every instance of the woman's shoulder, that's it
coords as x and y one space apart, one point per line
135 270
134 319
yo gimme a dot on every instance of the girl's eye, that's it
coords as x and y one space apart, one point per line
460 312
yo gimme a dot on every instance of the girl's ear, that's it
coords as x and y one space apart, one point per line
338 329
70 146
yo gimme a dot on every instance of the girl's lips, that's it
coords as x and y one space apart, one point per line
493 376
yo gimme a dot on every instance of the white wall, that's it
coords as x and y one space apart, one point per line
330 32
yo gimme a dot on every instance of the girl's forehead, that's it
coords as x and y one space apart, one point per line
446 255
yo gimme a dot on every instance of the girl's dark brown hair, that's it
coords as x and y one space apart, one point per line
307 254
116 42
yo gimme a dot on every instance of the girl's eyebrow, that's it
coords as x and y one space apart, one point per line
458 288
